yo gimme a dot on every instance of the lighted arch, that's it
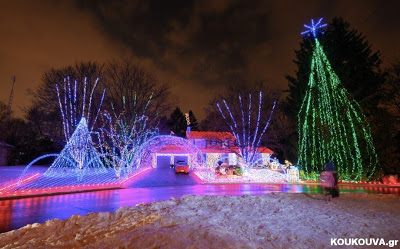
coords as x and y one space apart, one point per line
38 159
154 144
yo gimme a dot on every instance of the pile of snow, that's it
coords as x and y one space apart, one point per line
276 220
254 176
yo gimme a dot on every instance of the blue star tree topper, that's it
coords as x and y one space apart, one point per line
313 29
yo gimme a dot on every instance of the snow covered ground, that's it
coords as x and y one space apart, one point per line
276 220
11 174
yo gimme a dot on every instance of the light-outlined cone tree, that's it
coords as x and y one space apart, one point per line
332 126
79 156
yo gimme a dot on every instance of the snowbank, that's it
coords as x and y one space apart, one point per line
276 220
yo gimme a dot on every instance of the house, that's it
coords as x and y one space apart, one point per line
5 150
218 147
199 147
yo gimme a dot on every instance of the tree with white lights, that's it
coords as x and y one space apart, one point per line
76 104
121 136
248 139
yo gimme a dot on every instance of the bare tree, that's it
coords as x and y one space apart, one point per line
45 114
278 136
121 79
4 115
121 137
128 81
247 135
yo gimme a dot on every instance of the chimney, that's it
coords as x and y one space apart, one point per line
188 125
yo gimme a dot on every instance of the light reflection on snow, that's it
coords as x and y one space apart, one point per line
19 212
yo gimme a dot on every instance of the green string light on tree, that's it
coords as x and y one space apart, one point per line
332 126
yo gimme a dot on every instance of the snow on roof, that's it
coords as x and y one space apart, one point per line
210 135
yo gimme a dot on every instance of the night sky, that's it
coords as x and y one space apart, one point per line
195 46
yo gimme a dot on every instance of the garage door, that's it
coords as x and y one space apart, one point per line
163 161
181 158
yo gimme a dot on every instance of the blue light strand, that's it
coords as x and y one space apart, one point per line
234 123
75 101
91 96
244 152
69 100
226 120
264 130
248 125
98 110
62 112
84 97
258 120
66 111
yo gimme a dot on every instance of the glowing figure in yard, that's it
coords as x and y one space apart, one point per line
247 141
331 123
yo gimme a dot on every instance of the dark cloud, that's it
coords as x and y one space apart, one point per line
213 38
195 46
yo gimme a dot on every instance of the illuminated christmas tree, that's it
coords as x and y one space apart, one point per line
79 157
332 126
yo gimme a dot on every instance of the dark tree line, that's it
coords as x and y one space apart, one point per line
177 123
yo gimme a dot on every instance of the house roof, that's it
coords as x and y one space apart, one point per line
172 149
264 150
210 135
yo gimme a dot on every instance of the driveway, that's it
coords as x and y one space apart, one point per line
164 177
